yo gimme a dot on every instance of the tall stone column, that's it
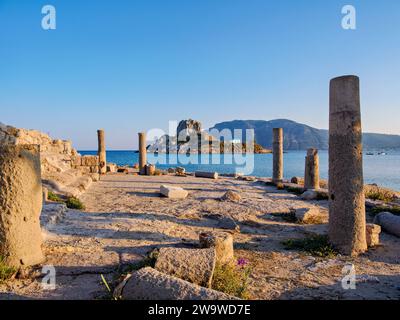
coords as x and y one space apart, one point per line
167 145
311 172
142 153
199 140
20 205
347 230
102 152
277 149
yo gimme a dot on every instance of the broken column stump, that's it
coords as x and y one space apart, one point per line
222 242
373 232
277 155
203 174
193 265
311 172
102 152
347 231
389 222
21 199
150 169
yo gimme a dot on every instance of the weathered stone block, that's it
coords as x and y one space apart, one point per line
203 174
311 215
76 160
173 192
112 167
150 284
222 242
373 232
309 195
193 265
90 161
84 169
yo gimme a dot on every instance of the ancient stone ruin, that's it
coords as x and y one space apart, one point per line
63 170
102 152
311 172
347 230
142 153
20 205
277 150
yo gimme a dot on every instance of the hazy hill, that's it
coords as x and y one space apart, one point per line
298 136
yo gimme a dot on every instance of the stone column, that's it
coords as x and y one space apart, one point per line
142 153
347 230
199 140
20 205
167 146
311 172
277 149
102 152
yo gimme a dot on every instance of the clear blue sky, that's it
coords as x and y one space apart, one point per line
127 66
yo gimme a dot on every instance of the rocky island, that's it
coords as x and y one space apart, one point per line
191 139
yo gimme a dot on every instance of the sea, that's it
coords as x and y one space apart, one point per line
382 169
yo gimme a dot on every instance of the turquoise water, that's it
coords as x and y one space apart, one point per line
383 170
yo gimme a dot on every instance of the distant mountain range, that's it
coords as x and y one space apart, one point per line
298 136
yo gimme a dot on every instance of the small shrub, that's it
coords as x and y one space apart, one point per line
375 192
316 245
295 190
148 261
395 210
381 195
53 197
289 217
280 186
232 278
6 272
74 203
322 196
109 295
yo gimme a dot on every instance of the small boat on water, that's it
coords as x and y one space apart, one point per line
370 153
382 153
